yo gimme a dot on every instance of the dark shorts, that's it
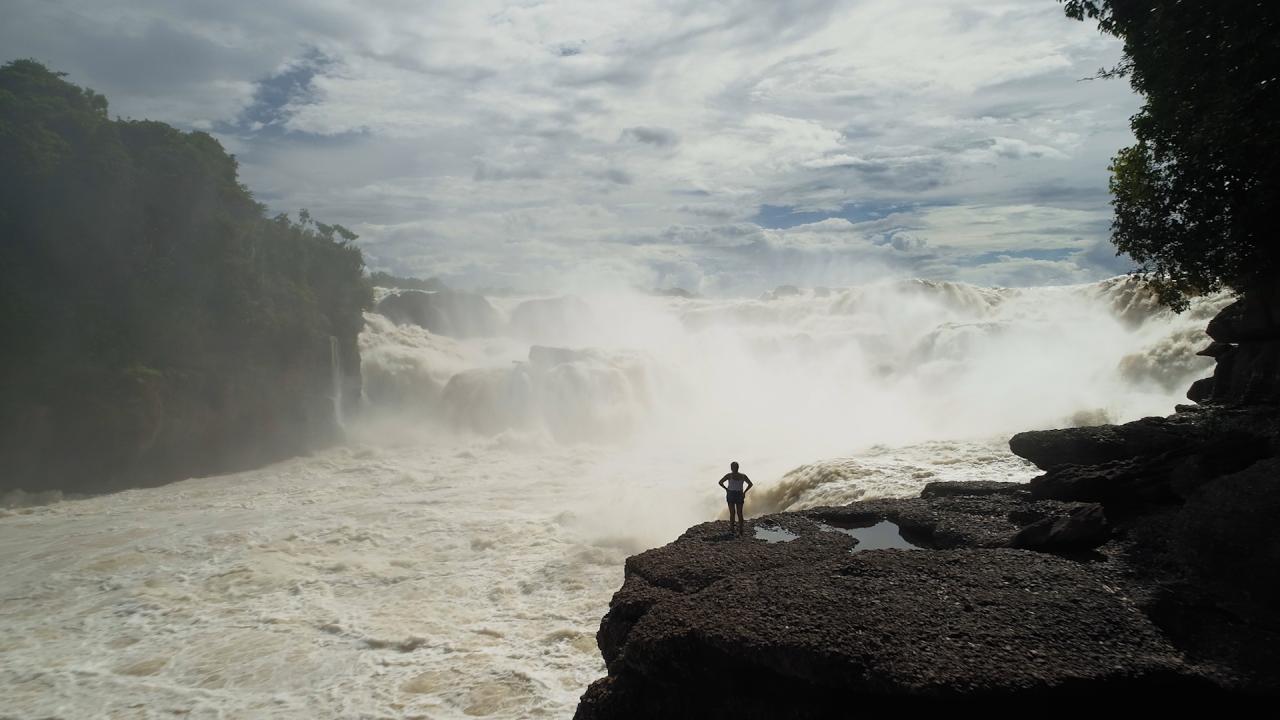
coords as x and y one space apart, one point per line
734 497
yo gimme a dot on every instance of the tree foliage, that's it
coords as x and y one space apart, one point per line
1195 197
153 319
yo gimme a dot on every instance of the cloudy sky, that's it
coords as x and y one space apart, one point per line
723 146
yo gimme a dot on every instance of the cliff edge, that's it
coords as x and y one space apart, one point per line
1144 559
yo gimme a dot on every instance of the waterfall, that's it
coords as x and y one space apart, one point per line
335 375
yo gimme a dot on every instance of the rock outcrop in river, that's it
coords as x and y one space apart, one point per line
1144 559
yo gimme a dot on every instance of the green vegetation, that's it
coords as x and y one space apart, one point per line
1195 198
154 322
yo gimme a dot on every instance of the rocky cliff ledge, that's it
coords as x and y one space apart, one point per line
1146 558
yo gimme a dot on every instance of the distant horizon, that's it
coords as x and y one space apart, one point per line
721 150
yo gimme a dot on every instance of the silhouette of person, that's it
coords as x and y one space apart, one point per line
735 494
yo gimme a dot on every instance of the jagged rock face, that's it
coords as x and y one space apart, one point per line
1152 460
1255 317
445 312
1247 373
1246 346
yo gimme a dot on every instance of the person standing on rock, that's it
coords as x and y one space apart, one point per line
736 486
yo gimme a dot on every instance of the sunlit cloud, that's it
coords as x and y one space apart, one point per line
731 146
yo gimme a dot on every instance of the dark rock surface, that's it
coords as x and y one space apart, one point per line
446 312
1101 443
1200 390
1252 318
1084 528
713 625
1246 346
945 489
1149 461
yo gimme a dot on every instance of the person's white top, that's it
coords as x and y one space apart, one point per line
735 481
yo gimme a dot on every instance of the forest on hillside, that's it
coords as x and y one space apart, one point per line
157 323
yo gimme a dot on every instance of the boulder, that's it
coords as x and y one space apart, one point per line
445 312
1200 390
1103 443
1083 528
1253 318
562 320
1159 478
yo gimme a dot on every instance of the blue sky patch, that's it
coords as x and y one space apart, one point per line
780 217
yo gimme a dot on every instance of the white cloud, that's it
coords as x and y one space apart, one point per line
473 138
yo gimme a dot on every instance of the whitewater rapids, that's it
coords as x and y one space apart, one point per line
453 558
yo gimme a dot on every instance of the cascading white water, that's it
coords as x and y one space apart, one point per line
335 380
453 558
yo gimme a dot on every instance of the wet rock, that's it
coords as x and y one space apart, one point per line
557 320
446 312
736 627
951 521
1223 444
1102 443
804 640
1083 528
948 489
545 356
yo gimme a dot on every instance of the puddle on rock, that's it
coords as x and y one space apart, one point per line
774 534
884 535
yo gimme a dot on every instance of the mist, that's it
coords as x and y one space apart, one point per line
795 377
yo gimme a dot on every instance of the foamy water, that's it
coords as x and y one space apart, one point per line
454 557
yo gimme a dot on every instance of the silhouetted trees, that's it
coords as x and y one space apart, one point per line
154 322
1195 198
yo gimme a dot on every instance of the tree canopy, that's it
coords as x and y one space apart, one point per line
151 313
1195 197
